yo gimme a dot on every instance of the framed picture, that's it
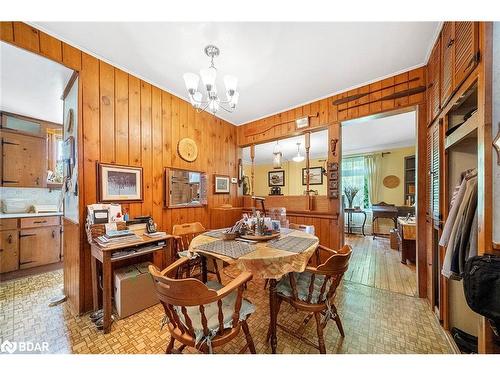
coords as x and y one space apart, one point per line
315 176
221 184
119 183
276 178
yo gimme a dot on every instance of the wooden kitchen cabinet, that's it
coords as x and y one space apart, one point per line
9 251
24 159
39 246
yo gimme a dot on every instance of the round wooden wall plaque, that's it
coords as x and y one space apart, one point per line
391 181
187 149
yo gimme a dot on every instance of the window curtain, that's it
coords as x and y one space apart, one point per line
353 174
372 168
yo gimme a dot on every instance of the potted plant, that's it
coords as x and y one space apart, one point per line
350 192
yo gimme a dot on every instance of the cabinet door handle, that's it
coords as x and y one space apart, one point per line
9 239
53 234
40 222
9 181
450 42
28 235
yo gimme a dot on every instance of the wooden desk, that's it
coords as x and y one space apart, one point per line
267 263
383 210
104 255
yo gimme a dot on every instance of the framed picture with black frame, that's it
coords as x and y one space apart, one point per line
119 183
315 176
276 178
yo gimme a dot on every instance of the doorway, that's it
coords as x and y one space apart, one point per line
378 184
38 118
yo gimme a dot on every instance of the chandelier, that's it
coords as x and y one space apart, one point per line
298 158
212 102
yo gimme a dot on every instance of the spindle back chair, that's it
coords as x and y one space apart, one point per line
183 235
200 316
313 291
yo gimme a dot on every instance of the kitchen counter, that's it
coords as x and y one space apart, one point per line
26 214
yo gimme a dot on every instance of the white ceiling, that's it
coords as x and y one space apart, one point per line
378 134
279 65
31 85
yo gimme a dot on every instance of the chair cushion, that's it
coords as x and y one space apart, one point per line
212 311
303 280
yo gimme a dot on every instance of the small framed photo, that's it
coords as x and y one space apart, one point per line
315 176
276 178
120 183
221 185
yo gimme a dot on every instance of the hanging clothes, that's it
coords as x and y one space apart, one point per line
459 225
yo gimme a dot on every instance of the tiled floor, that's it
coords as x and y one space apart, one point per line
375 321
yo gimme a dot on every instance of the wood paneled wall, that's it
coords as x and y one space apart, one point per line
324 112
125 120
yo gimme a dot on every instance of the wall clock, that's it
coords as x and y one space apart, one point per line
187 149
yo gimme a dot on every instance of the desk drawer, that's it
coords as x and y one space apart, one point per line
8 224
42 221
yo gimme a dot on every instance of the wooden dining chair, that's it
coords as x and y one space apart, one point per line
203 316
302 228
183 235
313 291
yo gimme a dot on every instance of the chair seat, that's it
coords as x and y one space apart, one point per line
212 311
303 280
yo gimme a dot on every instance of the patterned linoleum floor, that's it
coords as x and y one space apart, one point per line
375 321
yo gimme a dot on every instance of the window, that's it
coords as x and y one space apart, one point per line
354 174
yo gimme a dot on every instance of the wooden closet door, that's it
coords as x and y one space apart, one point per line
447 61
466 50
433 89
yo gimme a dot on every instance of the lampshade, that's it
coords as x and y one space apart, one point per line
277 148
277 157
298 158
196 99
191 80
234 100
231 82
208 76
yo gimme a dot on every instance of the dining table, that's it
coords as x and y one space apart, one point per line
270 260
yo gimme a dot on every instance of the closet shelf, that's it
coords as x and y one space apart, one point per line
463 131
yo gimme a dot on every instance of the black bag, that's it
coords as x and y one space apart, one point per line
482 287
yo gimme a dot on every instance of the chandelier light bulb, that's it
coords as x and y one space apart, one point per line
208 77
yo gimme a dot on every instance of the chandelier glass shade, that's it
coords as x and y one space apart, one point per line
212 101
277 156
298 158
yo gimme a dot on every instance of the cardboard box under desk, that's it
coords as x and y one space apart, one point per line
134 289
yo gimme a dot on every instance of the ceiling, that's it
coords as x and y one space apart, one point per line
280 65
31 85
378 134
359 136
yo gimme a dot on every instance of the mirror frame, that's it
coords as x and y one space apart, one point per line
166 184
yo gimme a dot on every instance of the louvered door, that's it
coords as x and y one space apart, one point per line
434 173
466 50
433 89
447 61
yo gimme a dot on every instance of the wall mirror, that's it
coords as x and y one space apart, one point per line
32 117
185 188
279 167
